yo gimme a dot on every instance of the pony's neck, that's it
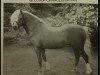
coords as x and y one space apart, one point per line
31 24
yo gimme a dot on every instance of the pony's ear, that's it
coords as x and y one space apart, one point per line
20 11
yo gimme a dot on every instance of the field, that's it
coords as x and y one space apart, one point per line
20 59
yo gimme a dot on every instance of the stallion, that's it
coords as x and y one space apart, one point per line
42 36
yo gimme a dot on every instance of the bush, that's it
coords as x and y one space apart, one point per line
93 36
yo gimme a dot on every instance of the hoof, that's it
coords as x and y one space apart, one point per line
48 69
75 69
40 73
89 71
47 66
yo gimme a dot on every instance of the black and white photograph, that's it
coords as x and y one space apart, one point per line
50 39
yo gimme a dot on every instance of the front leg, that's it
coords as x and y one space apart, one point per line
47 65
38 52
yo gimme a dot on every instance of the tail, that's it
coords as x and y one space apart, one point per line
87 46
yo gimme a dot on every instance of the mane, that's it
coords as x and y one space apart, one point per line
35 17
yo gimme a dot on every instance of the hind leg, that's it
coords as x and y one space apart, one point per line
77 57
86 58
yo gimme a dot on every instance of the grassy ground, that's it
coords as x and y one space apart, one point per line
21 60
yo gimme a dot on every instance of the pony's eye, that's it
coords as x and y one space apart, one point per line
13 23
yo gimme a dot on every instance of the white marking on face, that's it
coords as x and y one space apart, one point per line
88 67
14 18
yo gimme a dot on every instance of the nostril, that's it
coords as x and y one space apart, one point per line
15 27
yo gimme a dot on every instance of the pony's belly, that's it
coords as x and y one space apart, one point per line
54 45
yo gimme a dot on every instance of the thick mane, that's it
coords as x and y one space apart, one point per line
47 26
35 17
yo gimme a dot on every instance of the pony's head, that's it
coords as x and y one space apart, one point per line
25 19
16 19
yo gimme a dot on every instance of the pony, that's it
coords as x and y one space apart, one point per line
43 36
